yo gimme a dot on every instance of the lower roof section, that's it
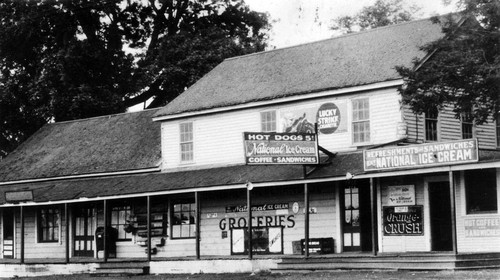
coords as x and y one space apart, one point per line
100 188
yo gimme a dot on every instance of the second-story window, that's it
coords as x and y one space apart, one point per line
360 121
186 142
431 125
268 121
467 126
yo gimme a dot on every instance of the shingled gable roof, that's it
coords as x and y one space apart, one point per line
121 142
351 60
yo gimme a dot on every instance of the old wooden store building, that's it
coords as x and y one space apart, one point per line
306 147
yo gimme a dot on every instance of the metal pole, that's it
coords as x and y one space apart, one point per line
198 224
148 220
21 217
249 209
105 235
66 237
373 204
306 220
453 213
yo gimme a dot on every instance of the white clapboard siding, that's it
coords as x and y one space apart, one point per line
33 248
218 138
474 244
322 223
449 128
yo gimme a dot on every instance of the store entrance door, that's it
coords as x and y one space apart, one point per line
356 216
8 233
84 228
440 216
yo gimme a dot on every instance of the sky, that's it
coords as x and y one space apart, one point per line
302 21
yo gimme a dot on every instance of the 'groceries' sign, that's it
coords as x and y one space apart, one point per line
280 148
439 153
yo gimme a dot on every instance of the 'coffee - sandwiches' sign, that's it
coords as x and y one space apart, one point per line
281 148
430 154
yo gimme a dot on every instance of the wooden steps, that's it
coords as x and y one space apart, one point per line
122 269
391 262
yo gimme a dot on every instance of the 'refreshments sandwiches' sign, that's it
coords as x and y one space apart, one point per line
280 148
430 154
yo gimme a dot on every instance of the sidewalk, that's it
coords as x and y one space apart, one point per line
488 274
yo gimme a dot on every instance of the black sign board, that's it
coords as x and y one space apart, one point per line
403 220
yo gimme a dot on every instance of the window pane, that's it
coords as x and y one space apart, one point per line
268 121
431 122
48 225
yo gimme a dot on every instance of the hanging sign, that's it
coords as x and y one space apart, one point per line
280 148
18 196
422 155
403 220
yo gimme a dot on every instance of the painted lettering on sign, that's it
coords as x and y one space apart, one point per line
403 223
482 227
401 195
421 155
280 148
260 221
262 207
328 118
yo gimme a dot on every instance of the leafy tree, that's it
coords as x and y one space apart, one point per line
381 13
68 59
463 69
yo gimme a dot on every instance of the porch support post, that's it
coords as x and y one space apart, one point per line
453 213
249 210
198 224
66 234
306 220
105 235
373 204
21 217
148 220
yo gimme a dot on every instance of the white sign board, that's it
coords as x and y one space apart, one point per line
401 195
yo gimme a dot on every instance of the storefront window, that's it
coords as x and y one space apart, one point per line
481 191
48 225
120 220
183 220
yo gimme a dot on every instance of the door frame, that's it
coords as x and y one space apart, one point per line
427 207
5 211
94 208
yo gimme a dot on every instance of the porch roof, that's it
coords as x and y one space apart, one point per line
206 179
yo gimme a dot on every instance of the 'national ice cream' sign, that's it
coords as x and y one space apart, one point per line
280 148
430 154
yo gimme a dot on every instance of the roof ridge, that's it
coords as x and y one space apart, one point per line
103 116
338 37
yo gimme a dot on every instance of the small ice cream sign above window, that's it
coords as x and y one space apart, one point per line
328 118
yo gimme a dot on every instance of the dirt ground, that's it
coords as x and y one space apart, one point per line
488 274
